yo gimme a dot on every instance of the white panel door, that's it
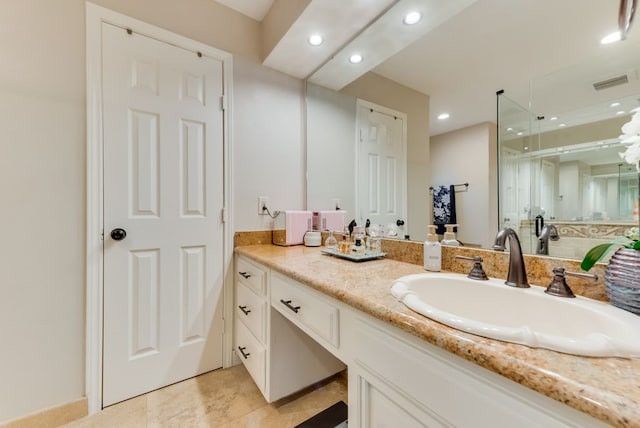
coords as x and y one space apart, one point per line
381 158
163 185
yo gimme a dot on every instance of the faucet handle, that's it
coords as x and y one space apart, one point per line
559 286
476 272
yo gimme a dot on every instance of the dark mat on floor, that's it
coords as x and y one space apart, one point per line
328 418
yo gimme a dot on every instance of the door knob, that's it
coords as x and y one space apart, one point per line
118 234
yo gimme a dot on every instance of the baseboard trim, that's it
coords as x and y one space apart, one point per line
52 416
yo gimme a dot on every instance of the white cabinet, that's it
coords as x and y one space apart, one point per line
306 308
281 358
425 386
293 332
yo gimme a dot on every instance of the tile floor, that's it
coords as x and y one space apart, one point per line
225 398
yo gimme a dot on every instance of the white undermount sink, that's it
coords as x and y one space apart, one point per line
527 316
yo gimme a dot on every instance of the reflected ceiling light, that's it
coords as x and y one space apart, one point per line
610 38
560 149
412 18
443 116
509 129
526 148
316 39
616 104
605 146
620 112
553 118
355 59
520 133
562 125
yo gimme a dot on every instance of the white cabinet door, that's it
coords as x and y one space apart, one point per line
380 406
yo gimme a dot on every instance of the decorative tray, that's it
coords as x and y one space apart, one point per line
354 257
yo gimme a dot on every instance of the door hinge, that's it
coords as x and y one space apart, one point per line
223 215
102 235
223 102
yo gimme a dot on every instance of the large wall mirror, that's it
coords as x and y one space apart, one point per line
572 179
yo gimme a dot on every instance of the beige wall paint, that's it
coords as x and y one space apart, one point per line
277 22
380 90
206 21
42 182
468 155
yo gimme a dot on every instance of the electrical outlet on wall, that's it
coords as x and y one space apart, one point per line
263 202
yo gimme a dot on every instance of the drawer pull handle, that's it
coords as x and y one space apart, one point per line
241 349
287 303
244 310
245 275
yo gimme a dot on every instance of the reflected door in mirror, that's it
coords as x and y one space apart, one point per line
381 165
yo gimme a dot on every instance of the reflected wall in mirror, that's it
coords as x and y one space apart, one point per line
331 147
559 160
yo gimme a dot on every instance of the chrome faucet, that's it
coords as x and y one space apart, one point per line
549 231
517 275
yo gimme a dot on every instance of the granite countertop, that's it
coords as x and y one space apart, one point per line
605 388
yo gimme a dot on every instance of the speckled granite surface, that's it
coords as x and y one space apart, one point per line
606 388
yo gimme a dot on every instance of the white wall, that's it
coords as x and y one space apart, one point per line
43 167
268 143
331 134
468 156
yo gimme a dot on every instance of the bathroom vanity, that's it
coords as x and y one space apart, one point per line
315 314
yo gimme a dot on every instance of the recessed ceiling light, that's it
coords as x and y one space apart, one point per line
355 59
520 133
553 118
562 125
509 129
443 116
412 18
616 104
610 38
526 148
620 112
316 39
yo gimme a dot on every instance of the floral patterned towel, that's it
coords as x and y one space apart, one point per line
444 207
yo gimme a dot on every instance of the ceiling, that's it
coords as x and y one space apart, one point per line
462 55
256 9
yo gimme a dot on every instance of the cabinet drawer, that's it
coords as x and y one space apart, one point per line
251 310
251 275
251 353
308 310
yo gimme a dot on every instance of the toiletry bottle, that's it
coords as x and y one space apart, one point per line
345 243
432 251
450 236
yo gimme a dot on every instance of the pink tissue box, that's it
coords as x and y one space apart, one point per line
290 227
329 220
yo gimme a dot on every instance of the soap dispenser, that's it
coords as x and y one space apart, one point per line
432 251
450 236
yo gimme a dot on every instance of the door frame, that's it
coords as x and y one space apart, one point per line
95 16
